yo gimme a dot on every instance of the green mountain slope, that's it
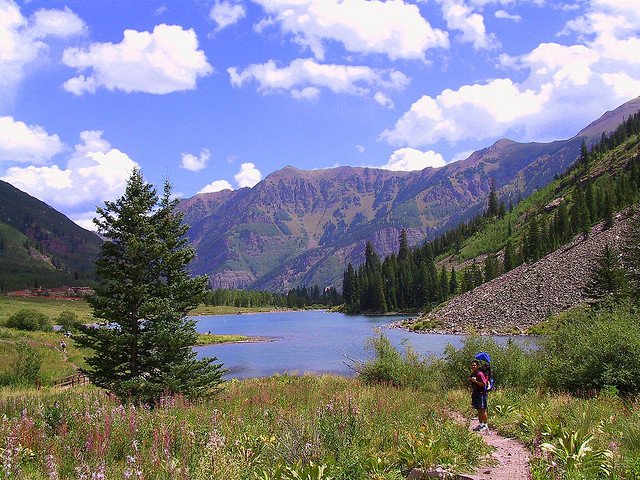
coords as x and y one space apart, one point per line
39 246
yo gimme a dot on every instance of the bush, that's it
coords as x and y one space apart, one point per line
512 365
391 367
594 350
24 369
30 320
68 321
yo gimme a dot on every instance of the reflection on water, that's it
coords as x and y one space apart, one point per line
308 341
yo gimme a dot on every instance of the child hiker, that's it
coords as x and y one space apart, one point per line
478 381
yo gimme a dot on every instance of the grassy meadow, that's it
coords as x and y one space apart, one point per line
397 413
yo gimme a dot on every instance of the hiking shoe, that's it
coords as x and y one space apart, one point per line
477 428
483 428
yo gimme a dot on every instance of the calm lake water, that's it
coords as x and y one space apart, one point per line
307 341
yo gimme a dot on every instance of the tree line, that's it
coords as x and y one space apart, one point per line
411 280
299 297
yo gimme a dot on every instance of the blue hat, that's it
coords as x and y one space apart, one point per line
483 356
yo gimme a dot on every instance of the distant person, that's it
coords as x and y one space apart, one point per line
478 381
63 346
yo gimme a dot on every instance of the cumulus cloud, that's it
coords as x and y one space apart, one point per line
392 28
163 61
23 39
216 186
459 16
564 86
504 15
95 172
194 163
384 100
20 142
409 159
226 13
304 77
248 175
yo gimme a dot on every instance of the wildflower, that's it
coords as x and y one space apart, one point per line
52 469
99 474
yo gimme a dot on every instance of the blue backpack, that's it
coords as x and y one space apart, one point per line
485 360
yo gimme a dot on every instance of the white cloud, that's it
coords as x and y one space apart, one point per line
461 17
163 61
20 142
384 100
22 39
95 172
410 159
226 13
195 163
393 28
360 149
566 86
307 93
85 220
474 111
504 15
248 175
304 77
216 186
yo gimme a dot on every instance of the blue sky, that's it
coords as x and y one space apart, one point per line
216 94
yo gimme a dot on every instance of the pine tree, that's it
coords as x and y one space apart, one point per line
144 295
630 253
403 253
493 207
453 282
584 154
509 261
607 282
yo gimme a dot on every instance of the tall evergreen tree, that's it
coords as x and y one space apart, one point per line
630 253
509 261
607 282
493 207
403 253
144 295
584 154
453 282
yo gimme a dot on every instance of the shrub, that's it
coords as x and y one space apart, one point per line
24 368
391 367
594 350
512 365
68 321
30 320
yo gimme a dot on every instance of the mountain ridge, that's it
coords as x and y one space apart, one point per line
301 227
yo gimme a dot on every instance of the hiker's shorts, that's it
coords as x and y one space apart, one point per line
479 400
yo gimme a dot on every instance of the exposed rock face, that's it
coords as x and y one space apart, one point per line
304 227
526 295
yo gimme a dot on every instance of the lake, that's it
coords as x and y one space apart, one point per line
307 341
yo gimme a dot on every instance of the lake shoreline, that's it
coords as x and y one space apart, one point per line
400 325
251 339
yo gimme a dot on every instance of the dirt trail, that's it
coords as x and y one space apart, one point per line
511 458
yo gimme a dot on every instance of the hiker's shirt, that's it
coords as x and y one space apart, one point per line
479 377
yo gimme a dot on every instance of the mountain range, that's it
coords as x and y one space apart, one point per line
299 227
303 227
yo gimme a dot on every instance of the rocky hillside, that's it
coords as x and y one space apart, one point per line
303 227
526 295
41 247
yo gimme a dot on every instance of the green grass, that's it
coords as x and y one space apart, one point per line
211 339
229 310
255 429
54 364
50 307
